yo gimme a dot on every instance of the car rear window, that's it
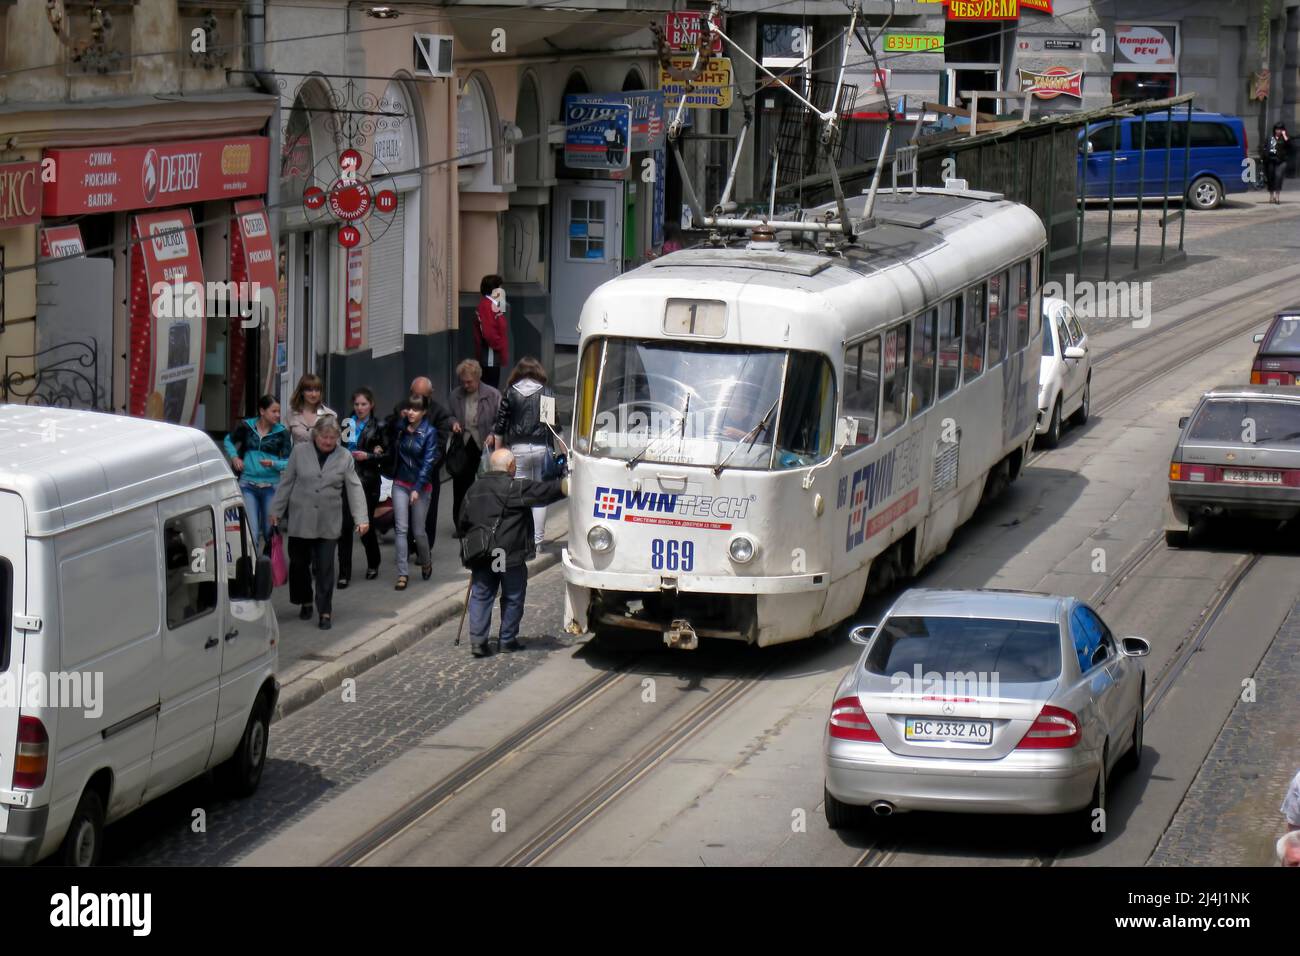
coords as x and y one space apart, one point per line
1284 339
1240 421
1013 651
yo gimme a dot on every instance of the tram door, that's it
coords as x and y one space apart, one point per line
586 248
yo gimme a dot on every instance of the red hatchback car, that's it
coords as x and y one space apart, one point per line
1278 360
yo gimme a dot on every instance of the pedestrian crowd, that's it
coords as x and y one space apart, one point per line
322 479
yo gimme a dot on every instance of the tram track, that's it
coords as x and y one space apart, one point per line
567 823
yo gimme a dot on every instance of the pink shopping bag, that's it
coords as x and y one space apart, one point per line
279 563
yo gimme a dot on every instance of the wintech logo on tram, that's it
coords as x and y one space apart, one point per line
647 507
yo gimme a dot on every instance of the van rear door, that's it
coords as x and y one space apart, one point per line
13 601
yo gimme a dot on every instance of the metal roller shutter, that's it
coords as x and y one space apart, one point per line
385 285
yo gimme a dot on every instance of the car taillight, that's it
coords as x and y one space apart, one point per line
849 721
1254 377
1272 378
1055 729
1181 471
33 755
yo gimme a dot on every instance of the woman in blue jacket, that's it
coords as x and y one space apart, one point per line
259 451
417 452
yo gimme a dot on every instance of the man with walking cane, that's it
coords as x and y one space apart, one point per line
496 522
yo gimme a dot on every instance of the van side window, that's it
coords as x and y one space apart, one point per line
1213 134
241 555
998 285
923 361
189 549
862 387
897 351
950 312
1104 139
976 326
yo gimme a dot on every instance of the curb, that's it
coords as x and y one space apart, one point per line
397 637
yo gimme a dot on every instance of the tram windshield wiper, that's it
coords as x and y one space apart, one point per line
751 435
686 406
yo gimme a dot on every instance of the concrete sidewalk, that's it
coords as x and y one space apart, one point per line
373 622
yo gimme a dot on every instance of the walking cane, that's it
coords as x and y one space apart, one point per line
463 611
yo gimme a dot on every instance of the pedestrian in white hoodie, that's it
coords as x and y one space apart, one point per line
520 428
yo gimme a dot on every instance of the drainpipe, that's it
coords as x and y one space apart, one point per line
256 58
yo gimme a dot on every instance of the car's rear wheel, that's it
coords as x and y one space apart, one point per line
1090 823
1052 437
1080 417
1133 759
1205 193
839 815
1176 539
84 840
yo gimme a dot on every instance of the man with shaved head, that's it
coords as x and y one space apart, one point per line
439 418
502 505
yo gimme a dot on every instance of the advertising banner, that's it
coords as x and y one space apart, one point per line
1053 82
60 242
167 338
648 130
597 134
683 31
117 178
913 42
711 92
356 279
1144 46
252 261
983 10
20 194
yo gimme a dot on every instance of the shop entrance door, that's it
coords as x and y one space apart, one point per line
308 308
586 248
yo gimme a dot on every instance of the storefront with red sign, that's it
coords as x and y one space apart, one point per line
198 253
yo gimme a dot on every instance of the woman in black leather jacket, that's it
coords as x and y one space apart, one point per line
521 429
363 435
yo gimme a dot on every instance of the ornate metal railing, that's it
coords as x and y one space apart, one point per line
66 376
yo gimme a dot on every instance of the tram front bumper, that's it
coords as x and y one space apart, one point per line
705 583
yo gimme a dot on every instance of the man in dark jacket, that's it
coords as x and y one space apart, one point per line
500 500
441 419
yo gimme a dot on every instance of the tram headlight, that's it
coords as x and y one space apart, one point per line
600 538
742 549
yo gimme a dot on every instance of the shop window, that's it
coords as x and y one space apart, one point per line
219 30
1143 86
586 229
98 38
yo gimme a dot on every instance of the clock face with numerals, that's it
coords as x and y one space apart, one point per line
362 204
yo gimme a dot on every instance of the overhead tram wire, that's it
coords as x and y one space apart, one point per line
116 247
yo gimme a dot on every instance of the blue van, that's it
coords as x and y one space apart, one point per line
1218 151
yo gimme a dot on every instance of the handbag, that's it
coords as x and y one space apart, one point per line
554 462
279 563
478 543
458 457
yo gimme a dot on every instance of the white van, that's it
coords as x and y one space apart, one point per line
134 655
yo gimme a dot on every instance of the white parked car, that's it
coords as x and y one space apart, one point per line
1065 374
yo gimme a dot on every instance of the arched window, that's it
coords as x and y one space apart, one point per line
475 137
633 81
528 117
577 83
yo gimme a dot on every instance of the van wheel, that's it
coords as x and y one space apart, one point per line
1052 437
85 837
1205 193
241 774
1080 417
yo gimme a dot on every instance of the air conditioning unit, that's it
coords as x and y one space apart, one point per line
432 55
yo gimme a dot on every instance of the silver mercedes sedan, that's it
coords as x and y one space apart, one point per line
984 702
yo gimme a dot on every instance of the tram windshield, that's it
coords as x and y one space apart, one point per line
679 403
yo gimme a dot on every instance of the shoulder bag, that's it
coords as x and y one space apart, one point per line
476 547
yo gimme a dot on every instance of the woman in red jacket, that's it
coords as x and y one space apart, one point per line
490 346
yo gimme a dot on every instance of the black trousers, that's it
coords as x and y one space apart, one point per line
369 541
492 376
311 562
460 485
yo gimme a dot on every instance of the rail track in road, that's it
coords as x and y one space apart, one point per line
576 814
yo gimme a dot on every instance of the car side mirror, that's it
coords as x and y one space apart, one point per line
1257 337
1135 646
263 583
1182 422
862 634
1075 352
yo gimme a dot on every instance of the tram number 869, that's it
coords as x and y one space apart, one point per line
670 555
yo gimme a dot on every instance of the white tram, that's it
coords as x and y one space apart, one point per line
719 486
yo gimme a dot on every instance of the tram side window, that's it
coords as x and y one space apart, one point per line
893 412
1036 298
949 346
923 364
862 386
998 317
1018 307
806 432
976 325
